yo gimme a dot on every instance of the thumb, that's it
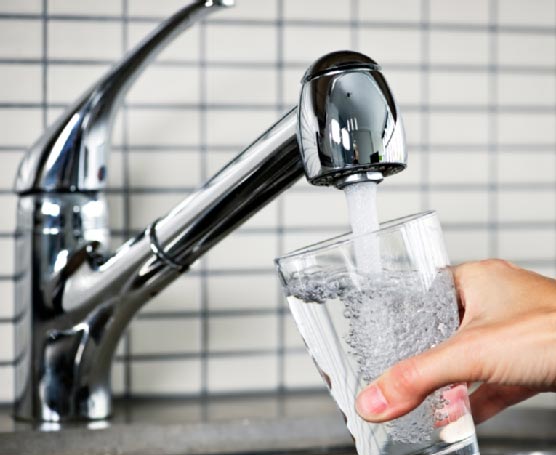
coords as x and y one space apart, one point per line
405 385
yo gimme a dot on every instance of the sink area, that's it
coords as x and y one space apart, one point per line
296 423
214 366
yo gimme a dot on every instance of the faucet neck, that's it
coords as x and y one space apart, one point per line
77 308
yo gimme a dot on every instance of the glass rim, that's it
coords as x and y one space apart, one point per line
342 239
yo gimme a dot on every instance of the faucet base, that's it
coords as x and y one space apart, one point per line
63 372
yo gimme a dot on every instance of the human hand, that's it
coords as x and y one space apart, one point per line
506 340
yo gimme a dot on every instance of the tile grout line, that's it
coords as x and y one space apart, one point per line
493 228
295 64
317 23
232 150
205 327
527 187
127 341
425 108
280 205
189 355
237 107
355 25
44 63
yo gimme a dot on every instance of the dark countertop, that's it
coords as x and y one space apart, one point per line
277 423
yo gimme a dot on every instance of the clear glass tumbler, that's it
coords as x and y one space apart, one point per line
364 303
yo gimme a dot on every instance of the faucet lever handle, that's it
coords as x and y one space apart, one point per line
71 155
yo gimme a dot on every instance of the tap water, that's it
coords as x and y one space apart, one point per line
355 329
363 217
358 321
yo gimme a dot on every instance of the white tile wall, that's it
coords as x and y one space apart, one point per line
454 11
171 169
456 88
164 126
244 251
300 371
246 49
19 7
20 39
526 89
526 245
6 253
184 48
513 169
10 162
242 292
312 10
524 50
8 202
458 167
413 125
18 124
170 336
394 204
65 83
162 85
184 295
147 207
389 46
7 381
479 106
537 13
406 84
21 83
533 205
148 8
325 39
530 129
6 296
235 374
246 126
251 10
452 204
235 86
413 173
166 377
398 11
242 333
96 40
85 7
457 128
447 47
467 244
315 209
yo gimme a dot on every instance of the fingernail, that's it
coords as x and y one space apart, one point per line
371 402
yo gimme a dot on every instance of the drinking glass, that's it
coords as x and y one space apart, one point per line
363 303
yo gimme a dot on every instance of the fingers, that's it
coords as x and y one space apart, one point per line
489 399
405 385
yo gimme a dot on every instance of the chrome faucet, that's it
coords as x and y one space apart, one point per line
76 298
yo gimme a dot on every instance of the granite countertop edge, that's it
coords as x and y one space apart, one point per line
291 423
271 435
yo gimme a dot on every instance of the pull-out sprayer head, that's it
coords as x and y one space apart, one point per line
350 129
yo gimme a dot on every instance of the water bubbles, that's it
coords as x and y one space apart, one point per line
387 318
